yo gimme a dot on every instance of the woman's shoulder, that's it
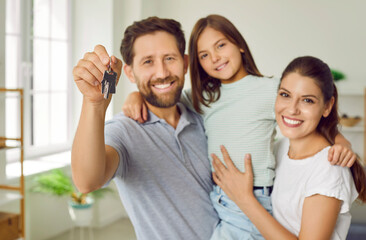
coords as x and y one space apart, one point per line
331 180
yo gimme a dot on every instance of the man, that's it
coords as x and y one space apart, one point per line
160 166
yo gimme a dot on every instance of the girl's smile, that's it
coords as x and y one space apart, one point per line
220 58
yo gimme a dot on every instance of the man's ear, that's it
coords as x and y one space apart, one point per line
328 107
129 73
186 63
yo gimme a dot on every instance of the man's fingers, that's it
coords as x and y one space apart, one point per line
91 68
229 163
83 74
102 54
94 59
116 66
144 112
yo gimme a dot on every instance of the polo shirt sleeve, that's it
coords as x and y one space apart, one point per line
114 131
332 181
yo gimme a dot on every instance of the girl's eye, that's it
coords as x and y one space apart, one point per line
203 56
221 45
283 94
308 100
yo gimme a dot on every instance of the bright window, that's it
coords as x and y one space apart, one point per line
38 59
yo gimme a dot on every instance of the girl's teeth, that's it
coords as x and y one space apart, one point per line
221 67
162 86
293 122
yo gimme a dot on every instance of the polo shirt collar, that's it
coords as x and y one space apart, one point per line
185 116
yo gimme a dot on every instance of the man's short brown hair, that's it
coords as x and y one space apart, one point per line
147 26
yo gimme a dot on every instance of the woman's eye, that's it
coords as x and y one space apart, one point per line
283 94
308 100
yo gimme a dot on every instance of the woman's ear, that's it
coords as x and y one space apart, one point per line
328 107
241 50
129 73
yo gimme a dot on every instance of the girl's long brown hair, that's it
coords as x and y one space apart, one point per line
320 72
206 89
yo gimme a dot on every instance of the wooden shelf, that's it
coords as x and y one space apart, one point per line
17 192
9 197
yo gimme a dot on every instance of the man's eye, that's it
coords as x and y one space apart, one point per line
169 58
147 62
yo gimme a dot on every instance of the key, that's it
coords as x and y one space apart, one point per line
109 81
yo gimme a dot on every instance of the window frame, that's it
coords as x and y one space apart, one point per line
25 73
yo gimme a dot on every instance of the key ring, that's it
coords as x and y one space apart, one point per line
110 65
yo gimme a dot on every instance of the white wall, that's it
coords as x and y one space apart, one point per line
92 24
278 31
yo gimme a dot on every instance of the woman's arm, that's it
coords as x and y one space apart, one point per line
319 212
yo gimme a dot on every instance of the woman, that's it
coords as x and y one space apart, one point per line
311 199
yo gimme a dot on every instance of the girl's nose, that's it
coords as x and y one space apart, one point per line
215 57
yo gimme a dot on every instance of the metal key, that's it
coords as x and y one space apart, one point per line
109 81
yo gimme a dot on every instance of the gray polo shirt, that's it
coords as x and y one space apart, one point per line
164 176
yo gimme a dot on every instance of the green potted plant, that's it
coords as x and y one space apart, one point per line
57 183
337 75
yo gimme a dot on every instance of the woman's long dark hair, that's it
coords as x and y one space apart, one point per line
320 72
206 89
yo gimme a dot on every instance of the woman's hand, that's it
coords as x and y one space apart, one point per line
134 107
342 155
237 185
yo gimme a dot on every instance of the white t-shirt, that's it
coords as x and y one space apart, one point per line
298 179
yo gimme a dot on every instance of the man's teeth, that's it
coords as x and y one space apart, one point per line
162 86
293 122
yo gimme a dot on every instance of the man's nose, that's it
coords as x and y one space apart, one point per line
161 70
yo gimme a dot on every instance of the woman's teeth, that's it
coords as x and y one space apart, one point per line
292 122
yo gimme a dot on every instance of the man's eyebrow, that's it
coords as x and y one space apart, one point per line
146 57
213 44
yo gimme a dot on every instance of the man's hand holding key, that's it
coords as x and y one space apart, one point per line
91 70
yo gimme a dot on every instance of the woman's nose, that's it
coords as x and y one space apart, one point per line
294 107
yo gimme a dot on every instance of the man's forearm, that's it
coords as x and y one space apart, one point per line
88 159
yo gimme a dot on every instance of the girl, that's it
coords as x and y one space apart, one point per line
311 199
236 103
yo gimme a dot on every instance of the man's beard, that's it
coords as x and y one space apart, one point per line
162 101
